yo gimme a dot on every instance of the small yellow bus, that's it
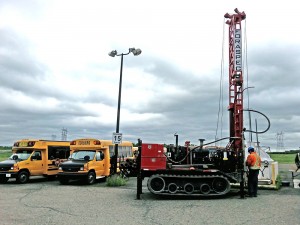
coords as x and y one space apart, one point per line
91 159
33 157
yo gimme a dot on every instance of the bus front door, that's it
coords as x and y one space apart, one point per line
99 164
36 165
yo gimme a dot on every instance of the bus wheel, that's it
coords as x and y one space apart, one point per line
23 177
3 180
91 177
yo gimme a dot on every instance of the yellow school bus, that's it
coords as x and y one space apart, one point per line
33 157
91 159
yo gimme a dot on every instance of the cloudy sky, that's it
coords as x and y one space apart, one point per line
55 71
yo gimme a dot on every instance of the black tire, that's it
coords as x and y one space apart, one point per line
63 181
91 177
220 185
156 184
3 180
23 177
189 188
173 188
204 189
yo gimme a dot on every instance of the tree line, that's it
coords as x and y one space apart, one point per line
5 147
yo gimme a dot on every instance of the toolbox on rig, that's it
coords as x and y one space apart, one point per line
153 157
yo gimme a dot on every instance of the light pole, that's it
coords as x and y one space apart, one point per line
114 53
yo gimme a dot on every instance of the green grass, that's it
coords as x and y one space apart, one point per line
283 158
278 182
116 180
4 155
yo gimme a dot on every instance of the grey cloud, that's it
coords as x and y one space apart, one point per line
274 67
19 70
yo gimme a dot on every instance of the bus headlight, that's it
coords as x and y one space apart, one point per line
82 168
59 168
14 167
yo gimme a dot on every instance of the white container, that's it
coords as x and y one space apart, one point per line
296 183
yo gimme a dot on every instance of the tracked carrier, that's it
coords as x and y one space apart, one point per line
189 170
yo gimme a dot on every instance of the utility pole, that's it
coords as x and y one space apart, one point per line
64 134
280 144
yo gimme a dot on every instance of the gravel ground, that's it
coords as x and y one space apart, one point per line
284 172
47 202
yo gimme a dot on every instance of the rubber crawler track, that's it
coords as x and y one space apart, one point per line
197 185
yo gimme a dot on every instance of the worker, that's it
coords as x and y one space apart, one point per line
297 161
253 162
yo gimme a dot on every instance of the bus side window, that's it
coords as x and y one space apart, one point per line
37 156
120 151
111 150
50 153
99 156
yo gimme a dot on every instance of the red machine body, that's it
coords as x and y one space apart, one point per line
153 157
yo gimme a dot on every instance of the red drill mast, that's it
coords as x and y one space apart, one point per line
235 78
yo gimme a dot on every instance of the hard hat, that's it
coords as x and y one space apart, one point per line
250 149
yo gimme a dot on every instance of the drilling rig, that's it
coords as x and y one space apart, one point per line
203 170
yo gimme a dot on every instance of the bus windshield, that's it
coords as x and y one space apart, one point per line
83 155
21 155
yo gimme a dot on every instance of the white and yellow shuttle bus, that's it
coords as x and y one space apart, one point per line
32 157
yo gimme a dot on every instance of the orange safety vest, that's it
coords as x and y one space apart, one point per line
253 161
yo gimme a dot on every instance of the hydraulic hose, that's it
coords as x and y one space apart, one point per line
259 132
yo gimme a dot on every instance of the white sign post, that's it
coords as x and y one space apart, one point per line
117 138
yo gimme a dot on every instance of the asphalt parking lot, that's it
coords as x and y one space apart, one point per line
47 202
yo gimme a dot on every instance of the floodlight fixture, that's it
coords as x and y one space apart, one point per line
113 53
